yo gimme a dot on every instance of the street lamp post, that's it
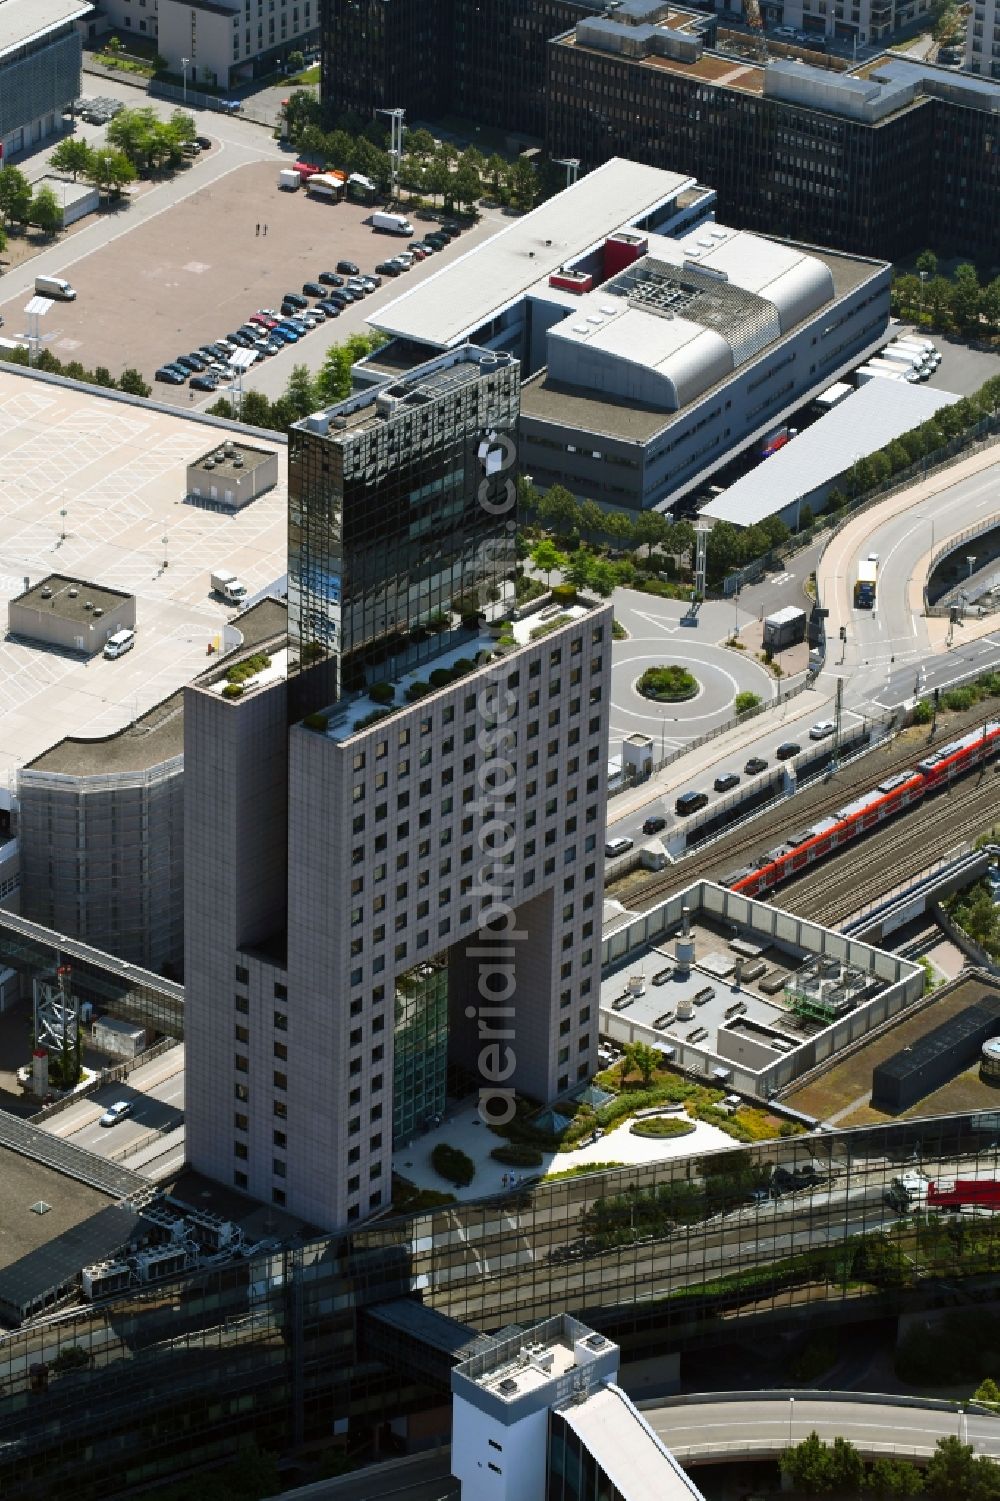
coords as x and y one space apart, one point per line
62 518
184 75
164 541
923 283
791 1419
971 559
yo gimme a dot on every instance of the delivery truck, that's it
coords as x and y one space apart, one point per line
392 224
226 584
865 584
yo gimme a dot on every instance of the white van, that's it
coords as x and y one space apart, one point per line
118 644
55 286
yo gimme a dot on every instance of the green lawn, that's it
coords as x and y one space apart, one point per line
310 75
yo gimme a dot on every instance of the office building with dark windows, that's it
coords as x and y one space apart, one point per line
876 159
367 805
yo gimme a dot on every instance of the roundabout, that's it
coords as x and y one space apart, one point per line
658 640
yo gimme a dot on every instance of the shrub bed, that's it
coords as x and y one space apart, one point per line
668 685
516 1155
453 1164
661 1126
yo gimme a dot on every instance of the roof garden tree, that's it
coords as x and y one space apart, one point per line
547 558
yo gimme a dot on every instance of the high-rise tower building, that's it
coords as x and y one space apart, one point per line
394 833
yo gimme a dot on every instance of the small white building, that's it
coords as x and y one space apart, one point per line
536 1412
120 1039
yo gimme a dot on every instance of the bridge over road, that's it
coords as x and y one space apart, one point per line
759 1425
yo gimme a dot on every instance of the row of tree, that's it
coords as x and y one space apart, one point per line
728 547
436 169
130 380
954 1472
920 442
959 301
305 392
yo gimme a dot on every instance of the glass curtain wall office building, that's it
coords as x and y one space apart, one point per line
395 516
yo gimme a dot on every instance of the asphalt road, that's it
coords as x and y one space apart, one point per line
156 1093
753 1425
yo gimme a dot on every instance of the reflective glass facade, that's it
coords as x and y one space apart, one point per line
671 1255
420 1048
394 516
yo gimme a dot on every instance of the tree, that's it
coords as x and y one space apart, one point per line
991 305
523 185
103 377
927 263
419 143
647 1060
15 196
333 380
808 1464
437 177
302 108
649 529
603 577
590 518
496 169
256 410
724 547
296 62
894 1478
619 529
560 510
131 381
110 171
547 558
937 297
987 1391
847 1468
45 212
301 391
626 1062
466 184
71 155
951 1471
966 297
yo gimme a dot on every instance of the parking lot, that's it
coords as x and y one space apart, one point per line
196 271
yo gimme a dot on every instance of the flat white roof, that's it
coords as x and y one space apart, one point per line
876 413
627 1450
23 20
449 306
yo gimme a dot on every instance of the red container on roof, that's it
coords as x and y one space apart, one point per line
621 249
306 169
572 281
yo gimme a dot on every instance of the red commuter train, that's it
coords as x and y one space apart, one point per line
866 812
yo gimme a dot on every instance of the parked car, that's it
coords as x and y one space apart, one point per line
615 847
294 300
416 249
654 824
289 333
451 230
387 268
787 749
372 282
190 362
261 320
726 781
348 268
331 309
204 142
330 279
355 284
822 729
116 1112
170 376
755 766
404 258
207 382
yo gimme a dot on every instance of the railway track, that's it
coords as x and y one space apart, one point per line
807 807
847 881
